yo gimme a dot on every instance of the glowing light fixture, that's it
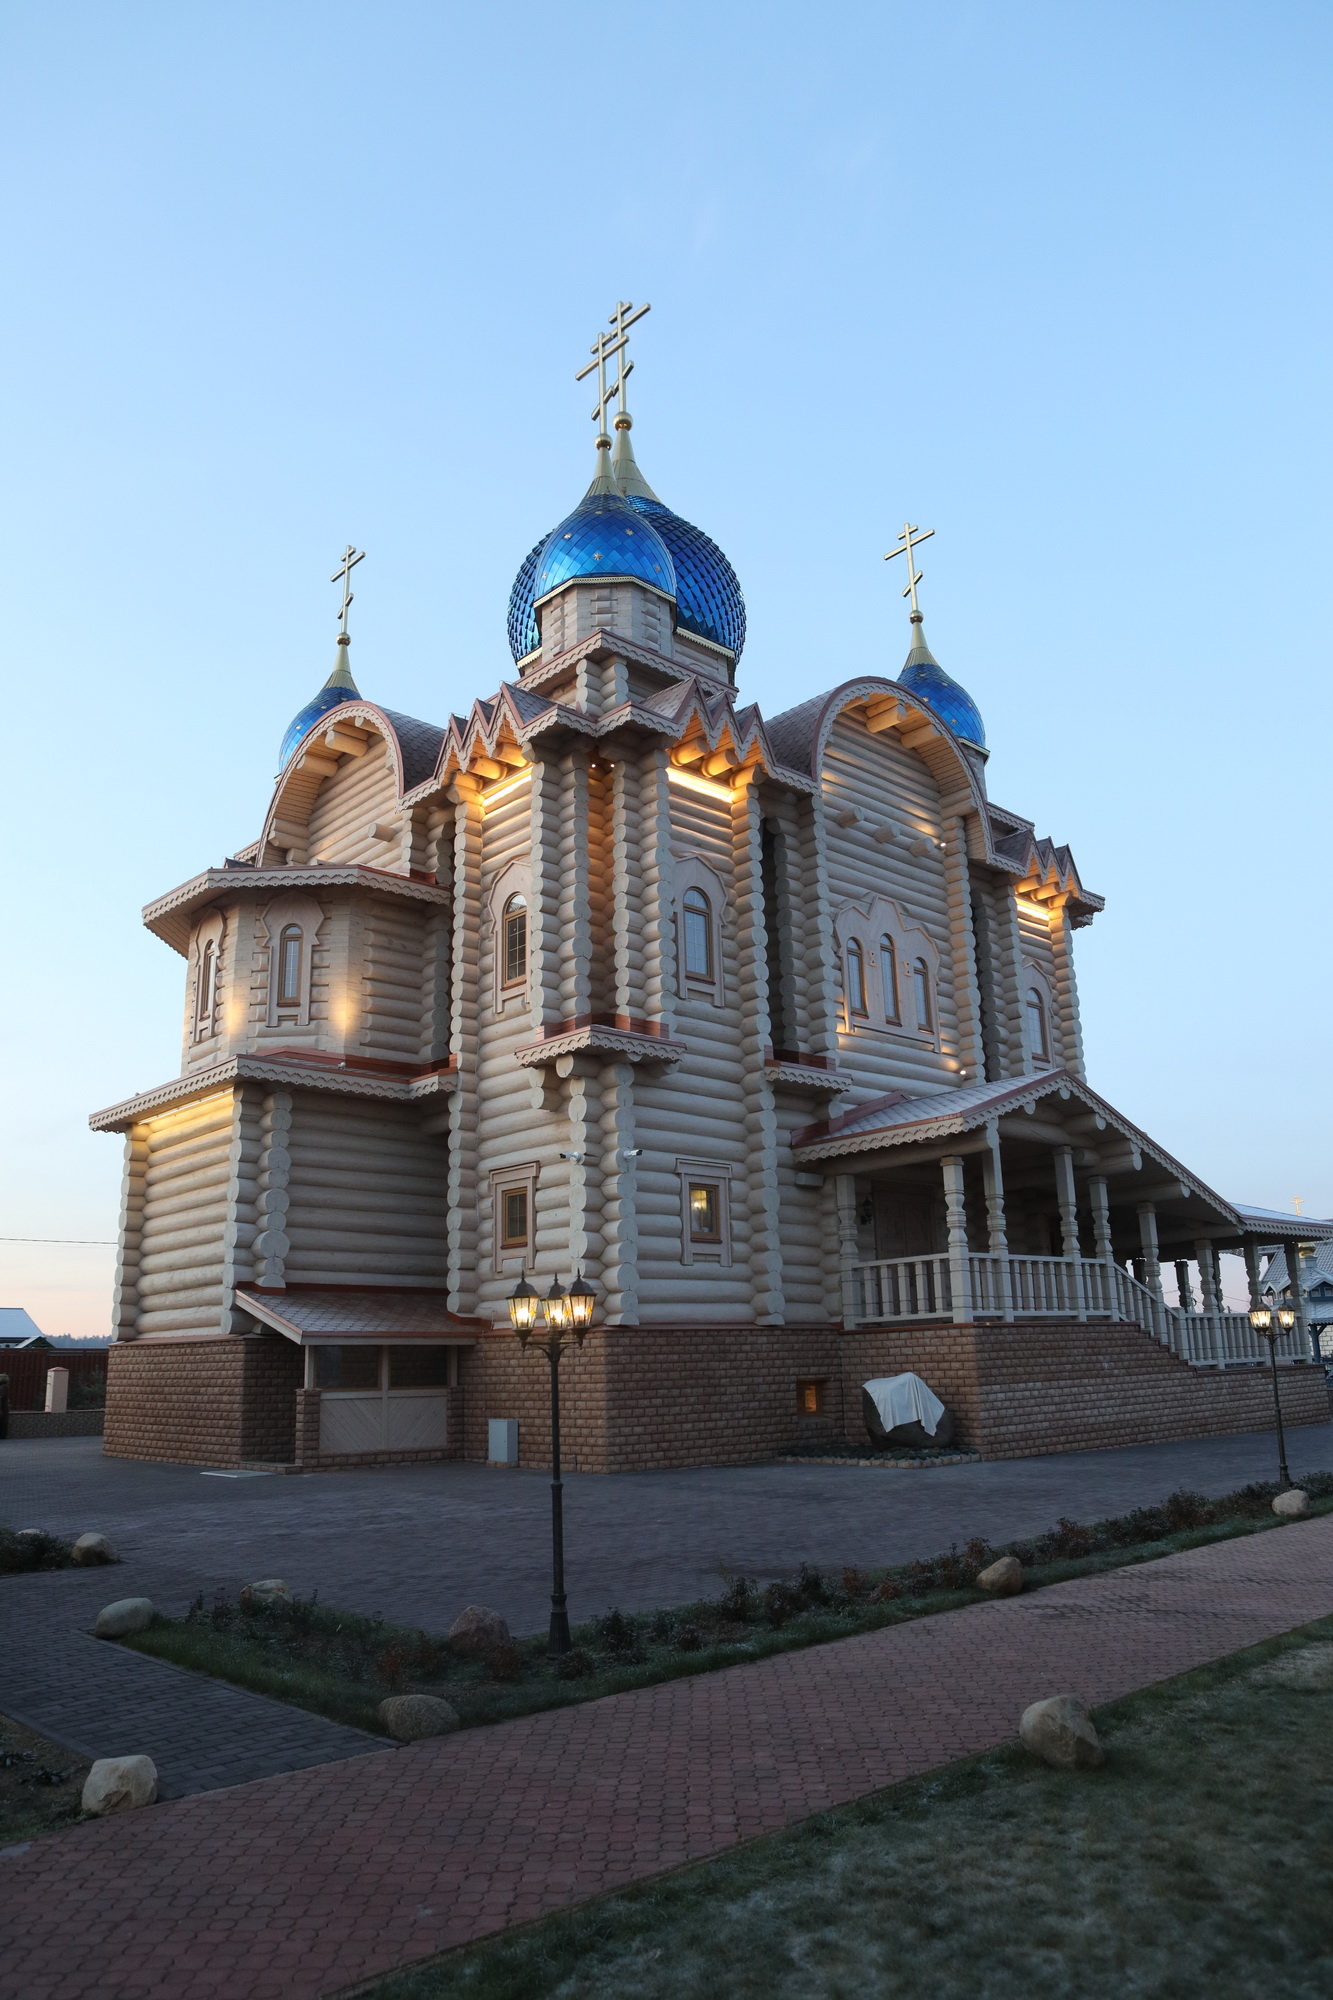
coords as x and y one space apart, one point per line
695 784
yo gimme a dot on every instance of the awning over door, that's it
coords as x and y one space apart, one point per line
355 1315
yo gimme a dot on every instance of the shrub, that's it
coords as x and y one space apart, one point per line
391 1668
781 1602
810 1585
1184 1509
620 1636
662 1628
504 1663
739 1601
19 1553
575 1666
689 1639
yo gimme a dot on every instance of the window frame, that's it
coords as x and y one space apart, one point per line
523 1177
923 997
693 872
513 913
1036 982
708 976
288 999
513 880
287 914
890 987
856 989
717 1175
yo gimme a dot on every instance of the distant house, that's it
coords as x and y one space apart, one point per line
18 1328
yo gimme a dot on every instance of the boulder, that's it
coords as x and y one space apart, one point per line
269 1590
115 1784
94 1549
1293 1505
477 1631
1060 1732
127 1614
410 1717
1003 1578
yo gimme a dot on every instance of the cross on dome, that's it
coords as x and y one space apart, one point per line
602 349
351 557
906 546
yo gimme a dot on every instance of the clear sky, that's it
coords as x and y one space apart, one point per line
1051 279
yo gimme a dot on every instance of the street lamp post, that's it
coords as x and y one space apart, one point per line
565 1312
1269 1323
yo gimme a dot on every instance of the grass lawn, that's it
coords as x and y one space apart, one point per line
1198 1862
342 1664
40 1784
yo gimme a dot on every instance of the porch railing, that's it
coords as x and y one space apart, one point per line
903 1290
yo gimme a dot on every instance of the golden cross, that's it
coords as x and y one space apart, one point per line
605 345
907 546
351 557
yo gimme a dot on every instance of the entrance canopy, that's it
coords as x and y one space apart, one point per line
354 1315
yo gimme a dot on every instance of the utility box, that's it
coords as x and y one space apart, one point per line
57 1389
502 1440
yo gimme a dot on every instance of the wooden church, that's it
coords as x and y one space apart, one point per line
768 1027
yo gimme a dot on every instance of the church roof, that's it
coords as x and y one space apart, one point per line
924 675
338 688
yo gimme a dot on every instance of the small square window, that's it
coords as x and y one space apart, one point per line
514 1218
418 1367
705 1212
810 1398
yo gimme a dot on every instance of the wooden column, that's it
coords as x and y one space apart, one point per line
761 1127
1152 1268
125 1296
1209 1297
1067 1196
1183 1284
464 974
1009 981
956 1213
1101 1219
818 1010
844 1250
997 1235
1250 1252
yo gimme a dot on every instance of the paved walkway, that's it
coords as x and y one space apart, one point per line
301 1886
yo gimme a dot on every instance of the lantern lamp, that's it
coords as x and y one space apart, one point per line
1286 1318
523 1302
582 1300
556 1307
1261 1319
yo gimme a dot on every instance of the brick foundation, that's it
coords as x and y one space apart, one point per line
650 1398
203 1402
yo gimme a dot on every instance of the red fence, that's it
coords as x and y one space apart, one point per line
26 1368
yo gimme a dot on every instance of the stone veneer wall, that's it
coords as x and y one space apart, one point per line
650 1398
641 1398
203 1402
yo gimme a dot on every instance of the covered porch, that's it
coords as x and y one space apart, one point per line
1034 1199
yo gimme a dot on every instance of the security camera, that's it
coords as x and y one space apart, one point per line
572 1156
632 1153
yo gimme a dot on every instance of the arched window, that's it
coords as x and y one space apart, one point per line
698 913
203 1011
856 977
888 979
514 940
1039 1040
925 1018
289 966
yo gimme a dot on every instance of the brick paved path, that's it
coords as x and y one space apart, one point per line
297 1887
106 1701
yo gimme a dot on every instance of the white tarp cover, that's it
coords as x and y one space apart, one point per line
905 1399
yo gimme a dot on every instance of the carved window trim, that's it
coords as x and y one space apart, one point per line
716 1176
279 920
1036 981
868 927
694 873
507 1257
514 879
206 963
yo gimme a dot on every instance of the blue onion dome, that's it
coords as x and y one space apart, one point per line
603 537
708 594
923 675
524 638
338 688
